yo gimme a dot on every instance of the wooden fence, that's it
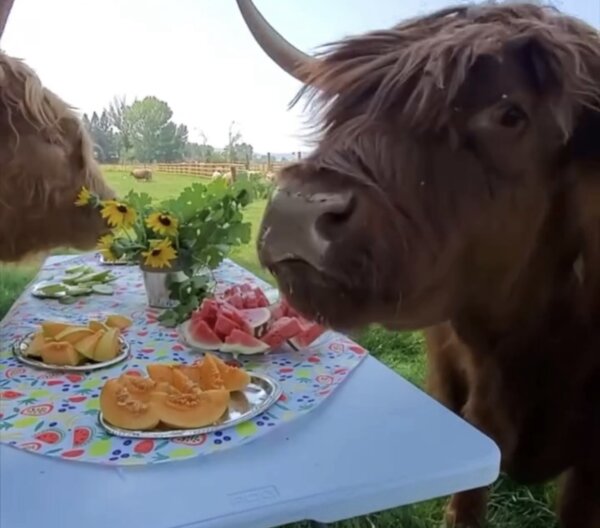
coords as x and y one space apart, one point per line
203 170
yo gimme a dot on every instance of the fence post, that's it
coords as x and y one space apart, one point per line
233 173
268 162
299 155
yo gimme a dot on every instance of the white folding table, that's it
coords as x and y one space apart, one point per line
378 442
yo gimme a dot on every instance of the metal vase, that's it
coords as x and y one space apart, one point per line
156 282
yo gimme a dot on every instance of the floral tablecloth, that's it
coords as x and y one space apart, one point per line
56 414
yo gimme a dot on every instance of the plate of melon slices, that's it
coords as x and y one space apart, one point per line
67 347
241 321
183 400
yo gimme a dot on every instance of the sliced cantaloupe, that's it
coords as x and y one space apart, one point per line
108 346
35 347
234 378
208 374
53 328
190 371
72 334
96 326
182 383
160 372
121 409
140 388
191 410
88 344
118 321
60 353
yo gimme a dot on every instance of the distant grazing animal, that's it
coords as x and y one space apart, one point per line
142 174
455 187
46 157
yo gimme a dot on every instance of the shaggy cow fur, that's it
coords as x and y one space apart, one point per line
457 170
46 157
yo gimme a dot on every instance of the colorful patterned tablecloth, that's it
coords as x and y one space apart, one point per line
56 414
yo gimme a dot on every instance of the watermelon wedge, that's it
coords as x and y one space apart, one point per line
283 329
310 333
241 343
203 335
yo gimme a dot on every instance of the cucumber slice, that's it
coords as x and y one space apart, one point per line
67 300
78 290
102 289
53 289
75 269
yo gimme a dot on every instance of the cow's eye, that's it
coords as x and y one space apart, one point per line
513 116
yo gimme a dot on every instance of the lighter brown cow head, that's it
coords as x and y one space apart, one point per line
45 158
454 167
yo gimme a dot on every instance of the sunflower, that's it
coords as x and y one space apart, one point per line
84 197
118 214
163 223
105 247
160 254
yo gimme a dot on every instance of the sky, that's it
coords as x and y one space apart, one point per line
197 55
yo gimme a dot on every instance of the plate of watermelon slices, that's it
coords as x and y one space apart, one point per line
241 321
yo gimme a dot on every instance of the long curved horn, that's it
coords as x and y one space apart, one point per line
286 56
5 7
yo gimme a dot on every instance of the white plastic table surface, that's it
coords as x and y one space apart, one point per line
377 442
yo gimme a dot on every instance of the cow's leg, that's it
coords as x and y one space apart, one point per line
579 501
447 382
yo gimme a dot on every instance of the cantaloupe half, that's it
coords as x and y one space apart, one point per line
72 334
121 409
191 410
60 353
118 321
53 328
35 347
88 344
108 346
234 378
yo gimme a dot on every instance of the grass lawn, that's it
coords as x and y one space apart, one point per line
511 506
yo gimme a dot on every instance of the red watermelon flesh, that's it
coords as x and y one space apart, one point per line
310 332
243 343
261 298
236 300
208 312
245 296
235 315
224 326
203 335
284 328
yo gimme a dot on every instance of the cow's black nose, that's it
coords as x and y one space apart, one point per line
301 226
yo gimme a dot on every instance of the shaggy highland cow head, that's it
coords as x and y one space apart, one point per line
457 166
45 158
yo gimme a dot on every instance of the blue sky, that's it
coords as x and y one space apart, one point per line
196 54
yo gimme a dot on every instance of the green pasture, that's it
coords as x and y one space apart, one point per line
511 506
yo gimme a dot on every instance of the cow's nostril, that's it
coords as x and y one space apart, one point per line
333 223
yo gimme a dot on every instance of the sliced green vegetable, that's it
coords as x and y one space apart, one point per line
102 289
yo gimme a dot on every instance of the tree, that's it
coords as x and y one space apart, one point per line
116 114
105 141
153 136
233 137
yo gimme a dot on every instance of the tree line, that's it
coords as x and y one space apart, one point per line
144 132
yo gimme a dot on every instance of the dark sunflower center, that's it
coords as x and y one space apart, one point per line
156 252
122 208
165 220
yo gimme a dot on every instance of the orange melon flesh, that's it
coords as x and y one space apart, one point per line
35 347
209 375
120 408
52 328
108 346
139 388
182 383
160 372
118 321
234 378
72 334
96 326
60 353
190 371
88 344
192 410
